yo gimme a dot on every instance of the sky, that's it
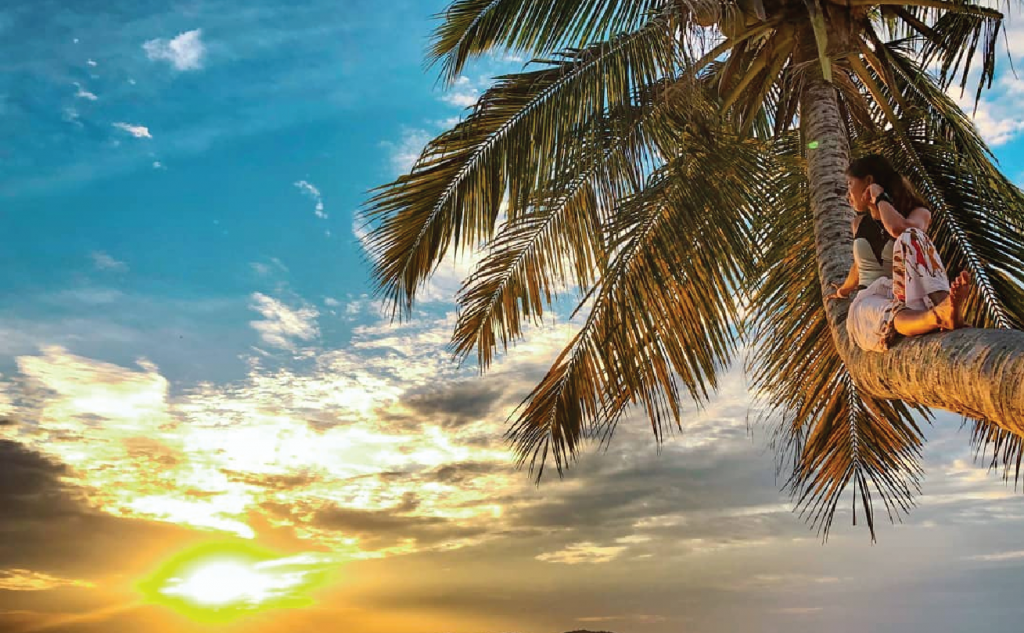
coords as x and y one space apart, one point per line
194 372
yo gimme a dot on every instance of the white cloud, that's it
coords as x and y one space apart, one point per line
450 122
158 165
138 131
1001 556
184 52
311 190
282 325
83 93
997 116
337 427
103 261
405 153
464 93
585 552
265 269
71 116
91 63
331 302
640 618
998 125
27 580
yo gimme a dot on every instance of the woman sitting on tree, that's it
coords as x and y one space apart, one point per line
903 285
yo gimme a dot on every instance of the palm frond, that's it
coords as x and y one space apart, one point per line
528 258
820 36
1007 448
951 35
763 71
531 27
557 243
665 307
874 444
518 136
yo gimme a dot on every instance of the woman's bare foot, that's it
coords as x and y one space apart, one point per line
949 310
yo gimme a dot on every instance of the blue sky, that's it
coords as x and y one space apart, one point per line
154 173
188 351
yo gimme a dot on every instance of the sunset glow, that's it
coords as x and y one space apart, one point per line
221 582
210 421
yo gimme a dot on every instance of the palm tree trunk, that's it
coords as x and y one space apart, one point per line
977 373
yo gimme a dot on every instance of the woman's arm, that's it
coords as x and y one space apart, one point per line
852 283
893 220
895 223
920 218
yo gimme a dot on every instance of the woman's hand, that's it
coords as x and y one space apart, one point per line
870 193
838 292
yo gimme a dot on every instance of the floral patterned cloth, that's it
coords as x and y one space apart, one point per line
917 271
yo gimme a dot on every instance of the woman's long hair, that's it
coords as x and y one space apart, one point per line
905 197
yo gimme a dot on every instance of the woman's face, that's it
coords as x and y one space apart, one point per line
855 188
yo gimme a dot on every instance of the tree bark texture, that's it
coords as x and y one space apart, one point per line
978 373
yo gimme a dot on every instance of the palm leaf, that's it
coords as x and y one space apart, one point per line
663 313
820 36
516 137
527 260
472 27
951 34
557 243
1007 448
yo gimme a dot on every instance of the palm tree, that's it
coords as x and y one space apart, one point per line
678 162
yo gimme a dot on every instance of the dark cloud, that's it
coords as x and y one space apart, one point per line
622 486
376 524
29 485
377 529
460 472
410 501
455 405
48 526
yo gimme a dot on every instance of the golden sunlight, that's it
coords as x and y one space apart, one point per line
220 582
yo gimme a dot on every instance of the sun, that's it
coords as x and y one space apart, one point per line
219 583
223 581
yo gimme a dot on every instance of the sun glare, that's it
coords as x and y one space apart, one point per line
219 583
222 582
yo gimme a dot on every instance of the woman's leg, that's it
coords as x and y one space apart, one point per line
945 315
919 279
915 322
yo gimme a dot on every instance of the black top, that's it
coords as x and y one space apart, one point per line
873 231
